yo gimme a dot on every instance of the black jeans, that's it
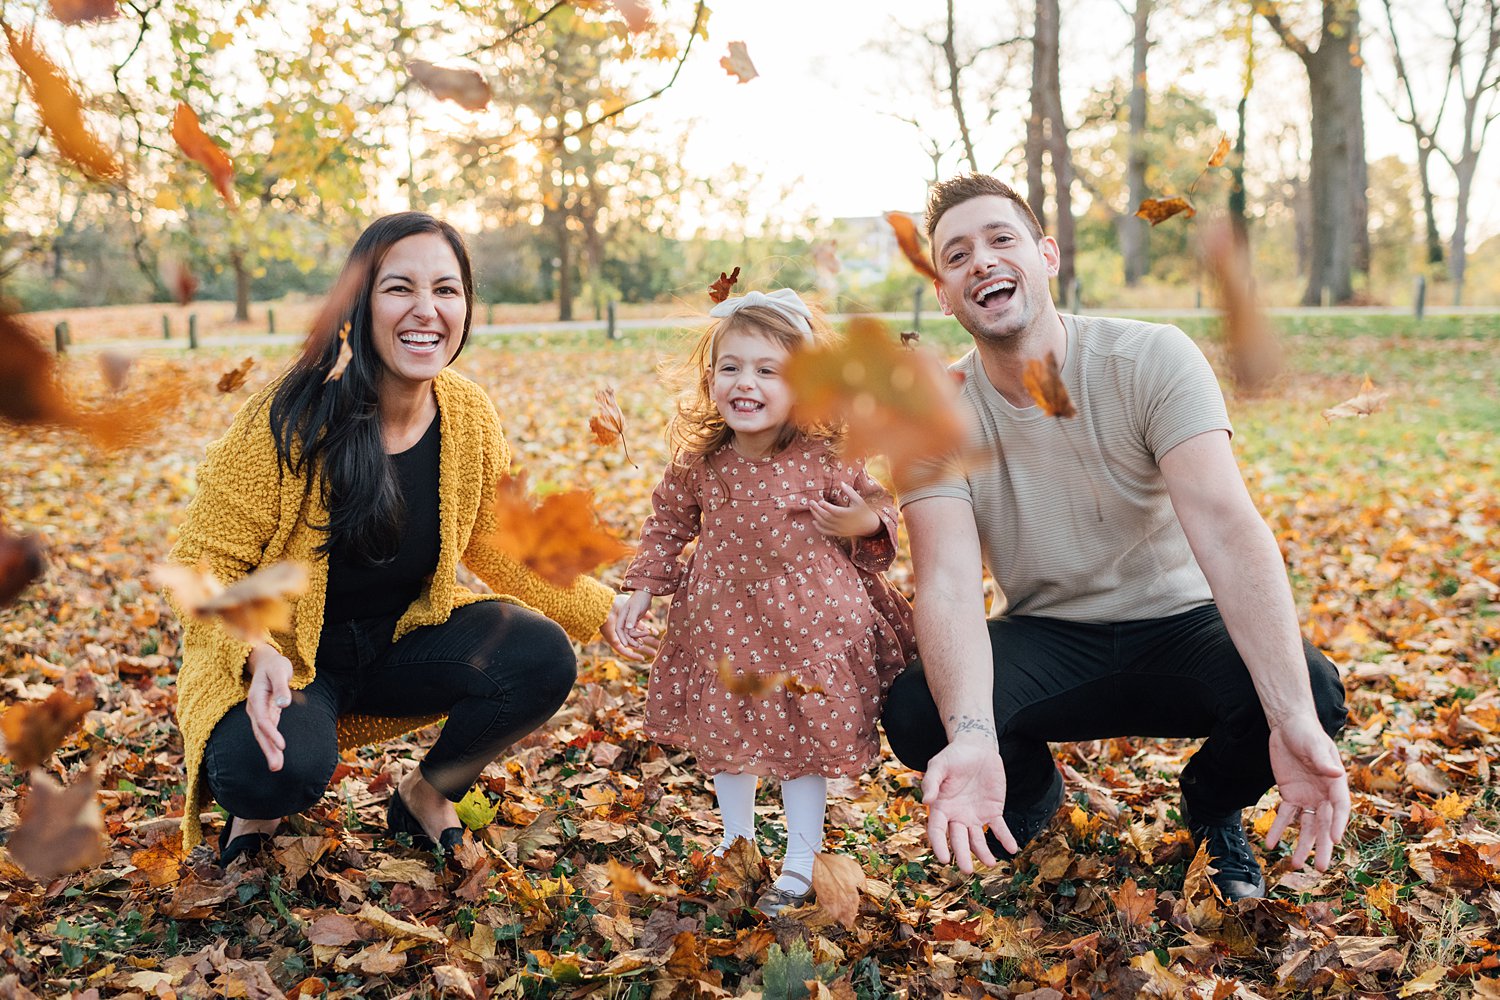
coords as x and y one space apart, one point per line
1166 677
498 671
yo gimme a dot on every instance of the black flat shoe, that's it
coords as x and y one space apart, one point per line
245 843
398 819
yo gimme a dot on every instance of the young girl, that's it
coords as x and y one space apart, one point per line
782 636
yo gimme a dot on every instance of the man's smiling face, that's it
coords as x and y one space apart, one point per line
993 272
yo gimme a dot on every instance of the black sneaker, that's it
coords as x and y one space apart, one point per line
1028 821
1238 874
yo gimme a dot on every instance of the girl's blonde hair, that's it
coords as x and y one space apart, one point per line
697 429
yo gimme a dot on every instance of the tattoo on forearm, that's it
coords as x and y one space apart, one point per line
969 724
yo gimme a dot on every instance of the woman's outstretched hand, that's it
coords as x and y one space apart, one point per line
626 630
270 692
854 519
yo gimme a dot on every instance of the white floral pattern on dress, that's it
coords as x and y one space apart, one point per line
767 592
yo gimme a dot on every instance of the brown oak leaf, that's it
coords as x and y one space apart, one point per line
235 377
737 63
1043 379
61 828
837 881
719 290
558 538
34 730
197 146
910 242
1158 210
464 87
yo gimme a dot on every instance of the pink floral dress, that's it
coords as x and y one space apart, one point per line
765 593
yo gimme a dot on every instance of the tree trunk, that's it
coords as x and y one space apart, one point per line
241 286
950 54
1458 256
1047 98
564 267
1237 220
1424 165
1036 143
1133 243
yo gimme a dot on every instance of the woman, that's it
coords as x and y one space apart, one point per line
381 481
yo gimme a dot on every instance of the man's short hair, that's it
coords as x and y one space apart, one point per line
957 190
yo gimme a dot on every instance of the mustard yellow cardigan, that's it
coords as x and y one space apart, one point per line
249 512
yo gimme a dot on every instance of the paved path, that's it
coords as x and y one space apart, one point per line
486 331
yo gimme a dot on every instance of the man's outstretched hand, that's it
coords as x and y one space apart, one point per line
1314 790
964 790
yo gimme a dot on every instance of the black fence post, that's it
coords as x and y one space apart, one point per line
270 320
1419 297
193 331
166 327
610 329
60 336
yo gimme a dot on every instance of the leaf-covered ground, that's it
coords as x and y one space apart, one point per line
1391 529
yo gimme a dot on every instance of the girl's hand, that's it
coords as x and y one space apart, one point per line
854 519
270 692
625 629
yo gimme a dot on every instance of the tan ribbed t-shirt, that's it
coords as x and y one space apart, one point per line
1073 514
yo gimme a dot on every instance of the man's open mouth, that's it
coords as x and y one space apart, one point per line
994 292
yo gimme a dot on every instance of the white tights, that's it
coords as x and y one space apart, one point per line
805 800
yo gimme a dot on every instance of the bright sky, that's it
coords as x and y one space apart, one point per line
815 112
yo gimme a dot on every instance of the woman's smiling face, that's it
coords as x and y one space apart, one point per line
417 308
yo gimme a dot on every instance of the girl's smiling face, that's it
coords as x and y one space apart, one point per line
749 388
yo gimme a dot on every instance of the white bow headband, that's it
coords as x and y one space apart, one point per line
783 301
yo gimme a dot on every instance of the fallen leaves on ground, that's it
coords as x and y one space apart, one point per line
896 401
249 608
195 144
1043 380
737 63
61 109
910 242
465 87
558 537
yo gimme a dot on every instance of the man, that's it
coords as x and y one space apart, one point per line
1142 592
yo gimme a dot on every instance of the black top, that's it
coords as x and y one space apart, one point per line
359 590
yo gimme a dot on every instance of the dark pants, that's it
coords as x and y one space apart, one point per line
1166 677
498 671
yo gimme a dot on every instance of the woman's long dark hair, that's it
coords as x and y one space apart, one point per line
329 432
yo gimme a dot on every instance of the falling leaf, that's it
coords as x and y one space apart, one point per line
608 424
1155 210
795 685
1254 356
346 354
635 13
34 730
623 879
31 393
61 828
1043 379
464 87
235 377
249 608
179 279
1220 153
558 538
115 367
1133 904
20 563
910 338
737 63
910 242
83 11
1369 400
61 109
895 401
752 685
837 880
197 146
826 259
719 290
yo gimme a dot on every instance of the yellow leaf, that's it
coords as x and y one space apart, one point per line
475 810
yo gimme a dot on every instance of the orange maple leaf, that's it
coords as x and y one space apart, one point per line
464 87
910 242
895 401
250 608
737 63
61 828
161 862
1367 401
235 377
31 392
346 354
608 424
61 109
197 146
34 730
558 538
1043 379
1157 210
1133 904
719 290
